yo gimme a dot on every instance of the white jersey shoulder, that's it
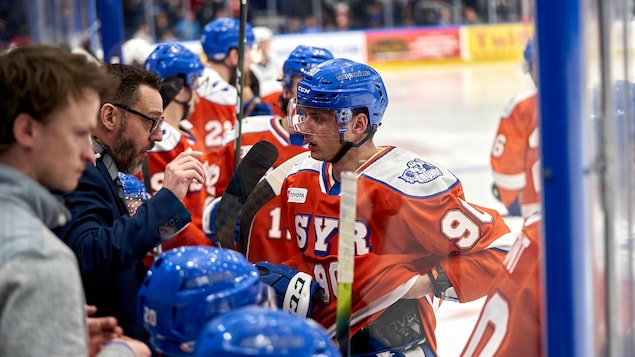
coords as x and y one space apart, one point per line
215 89
171 138
509 108
308 163
410 174
257 124
249 125
399 170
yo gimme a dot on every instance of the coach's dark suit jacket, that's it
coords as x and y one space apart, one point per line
110 245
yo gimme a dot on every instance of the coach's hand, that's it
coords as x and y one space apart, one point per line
184 170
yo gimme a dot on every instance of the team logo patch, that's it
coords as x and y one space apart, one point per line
419 171
296 195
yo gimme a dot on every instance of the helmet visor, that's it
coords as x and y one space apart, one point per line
317 121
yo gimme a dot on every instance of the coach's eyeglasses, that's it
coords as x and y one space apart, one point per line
156 123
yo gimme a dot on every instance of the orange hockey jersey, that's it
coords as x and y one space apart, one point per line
215 112
174 142
267 240
510 322
411 216
515 156
273 99
253 130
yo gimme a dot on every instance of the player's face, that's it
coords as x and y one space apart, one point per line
63 146
134 137
320 131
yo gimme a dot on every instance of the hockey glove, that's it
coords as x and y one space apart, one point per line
443 288
295 290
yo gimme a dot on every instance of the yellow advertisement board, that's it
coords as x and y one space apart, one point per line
502 42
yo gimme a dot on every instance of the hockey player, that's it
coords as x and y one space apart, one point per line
180 68
256 331
510 323
515 156
269 240
186 287
267 70
216 110
416 237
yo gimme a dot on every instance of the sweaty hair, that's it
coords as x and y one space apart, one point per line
130 78
38 80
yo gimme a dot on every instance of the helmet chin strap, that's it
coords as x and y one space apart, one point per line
347 145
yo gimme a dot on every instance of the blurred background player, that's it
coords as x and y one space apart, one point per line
416 237
179 69
135 51
186 287
216 110
266 69
510 323
515 158
257 331
511 320
269 240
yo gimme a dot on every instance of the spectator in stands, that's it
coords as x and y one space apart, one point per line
470 16
187 28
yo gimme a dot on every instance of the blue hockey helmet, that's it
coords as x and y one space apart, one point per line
221 35
257 331
340 85
188 286
174 59
529 54
301 59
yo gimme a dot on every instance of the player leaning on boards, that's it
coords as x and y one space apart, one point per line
49 103
416 237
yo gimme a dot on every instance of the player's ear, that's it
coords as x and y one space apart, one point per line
359 123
